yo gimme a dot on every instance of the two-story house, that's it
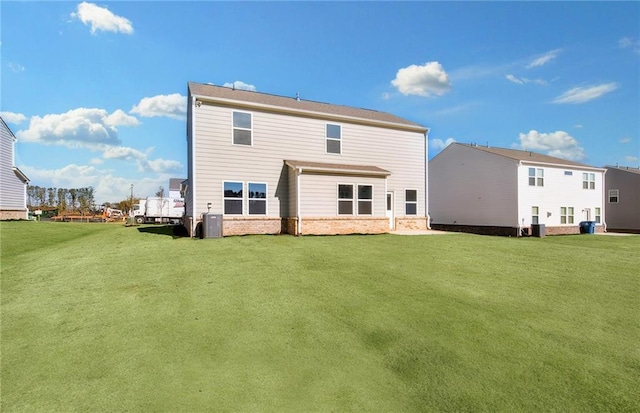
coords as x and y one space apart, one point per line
274 164
13 183
622 185
506 191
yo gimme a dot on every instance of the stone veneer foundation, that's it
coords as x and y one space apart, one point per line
13 214
510 231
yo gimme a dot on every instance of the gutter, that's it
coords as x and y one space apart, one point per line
298 202
193 166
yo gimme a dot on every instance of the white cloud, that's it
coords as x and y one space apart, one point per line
524 80
585 94
439 144
385 96
625 140
82 127
630 158
426 80
629 43
172 106
559 144
96 161
15 67
141 159
578 126
544 59
14 118
240 85
101 19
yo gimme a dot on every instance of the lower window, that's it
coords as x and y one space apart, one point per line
233 198
365 199
566 215
598 215
411 202
345 199
535 216
257 199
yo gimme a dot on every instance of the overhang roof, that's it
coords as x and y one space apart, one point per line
529 156
625 169
21 175
335 168
222 94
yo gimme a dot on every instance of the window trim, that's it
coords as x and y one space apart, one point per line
266 196
352 199
616 196
234 127
536 215
327 138
358 200
597 212
538 176
406 203
225 198
568 216
588 180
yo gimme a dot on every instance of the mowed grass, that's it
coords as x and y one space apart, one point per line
100 317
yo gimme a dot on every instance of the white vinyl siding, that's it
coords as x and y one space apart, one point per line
12 188
278 137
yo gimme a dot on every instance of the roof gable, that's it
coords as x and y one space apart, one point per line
300 106
526 156
625 169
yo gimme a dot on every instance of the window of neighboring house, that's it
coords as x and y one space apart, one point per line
334 138
257 198
411 202
535 217
588 181
536 177
613 196
233 198
345 199
365 199
598 215
568 173
242 128
566 215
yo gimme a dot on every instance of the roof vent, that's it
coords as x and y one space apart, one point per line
297 96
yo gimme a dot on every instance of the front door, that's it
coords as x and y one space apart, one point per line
390 210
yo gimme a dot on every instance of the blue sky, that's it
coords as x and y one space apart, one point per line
96 92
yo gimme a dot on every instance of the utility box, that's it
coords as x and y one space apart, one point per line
211 225
537 230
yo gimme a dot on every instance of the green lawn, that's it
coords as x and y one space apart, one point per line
102 317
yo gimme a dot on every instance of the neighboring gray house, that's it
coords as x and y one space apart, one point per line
175 185
272 164
622 186
505 191
13 183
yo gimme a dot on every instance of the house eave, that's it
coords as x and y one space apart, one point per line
309 114
21 175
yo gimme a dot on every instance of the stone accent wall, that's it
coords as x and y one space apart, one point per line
403 224
510 232
343 225
251 225
13 214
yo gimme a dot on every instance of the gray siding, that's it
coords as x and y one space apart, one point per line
471 187
625 214
12 188
277 137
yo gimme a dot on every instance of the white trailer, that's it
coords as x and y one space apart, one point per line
159 210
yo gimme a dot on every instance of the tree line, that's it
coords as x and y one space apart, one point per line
64 199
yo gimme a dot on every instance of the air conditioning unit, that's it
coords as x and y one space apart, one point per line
211 226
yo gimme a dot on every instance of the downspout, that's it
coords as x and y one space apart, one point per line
193 166
518 220
604 198
298 203
426 177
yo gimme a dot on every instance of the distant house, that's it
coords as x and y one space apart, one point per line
622 185
174 187
505 191
272 164
13 183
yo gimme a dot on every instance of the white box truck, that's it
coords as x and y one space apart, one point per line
159 210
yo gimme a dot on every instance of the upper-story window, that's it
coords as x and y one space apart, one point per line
588 181
242 128
536 177
333 136
613 196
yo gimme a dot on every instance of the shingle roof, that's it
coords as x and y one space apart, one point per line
297 105
625 169
526 156
338 168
